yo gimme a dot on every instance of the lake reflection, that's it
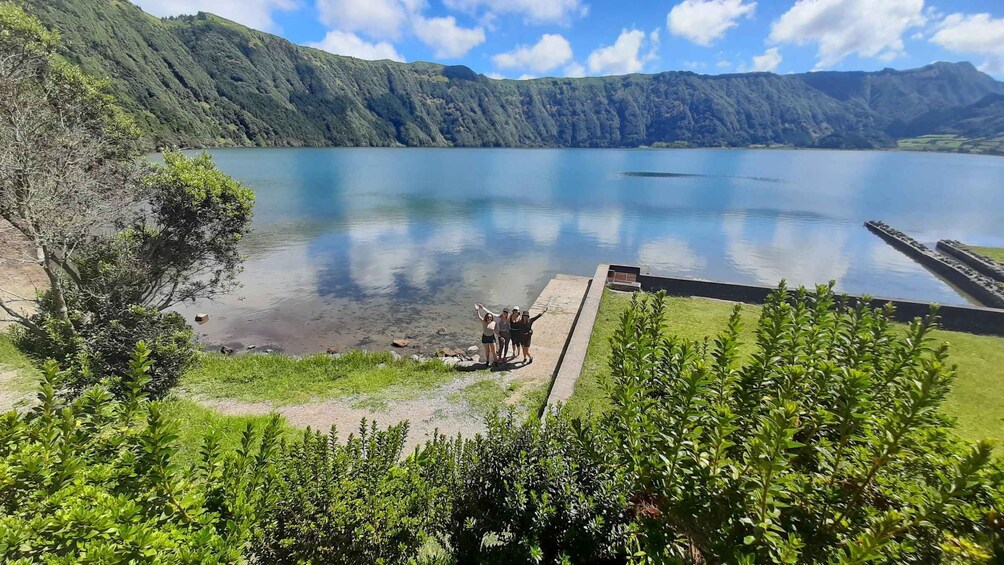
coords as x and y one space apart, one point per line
354 247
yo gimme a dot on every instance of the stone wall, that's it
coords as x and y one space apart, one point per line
983 264
971 319
983 288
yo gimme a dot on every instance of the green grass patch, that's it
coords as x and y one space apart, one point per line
485 395
195 422
692 318
976 400
26 373
287 380
952 143
995 253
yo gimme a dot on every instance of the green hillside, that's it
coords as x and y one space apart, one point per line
205 81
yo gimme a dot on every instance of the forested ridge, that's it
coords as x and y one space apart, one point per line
205 81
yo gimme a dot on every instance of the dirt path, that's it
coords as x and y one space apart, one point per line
439 409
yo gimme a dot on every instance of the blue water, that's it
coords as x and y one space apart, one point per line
355 246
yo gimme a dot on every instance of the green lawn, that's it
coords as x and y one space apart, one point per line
11 359
195 422
995 253
288 380
977 399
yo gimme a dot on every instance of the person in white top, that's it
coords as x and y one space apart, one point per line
488 332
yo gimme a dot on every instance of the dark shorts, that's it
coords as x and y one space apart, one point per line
487 338
504 335
518 339
525 342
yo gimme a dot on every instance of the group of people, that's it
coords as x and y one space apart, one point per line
499 331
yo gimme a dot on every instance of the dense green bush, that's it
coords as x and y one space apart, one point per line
93 480
98 340
534 492
355 502
825 446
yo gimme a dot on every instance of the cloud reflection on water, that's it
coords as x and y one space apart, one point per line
353 243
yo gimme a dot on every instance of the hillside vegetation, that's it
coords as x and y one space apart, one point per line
206 81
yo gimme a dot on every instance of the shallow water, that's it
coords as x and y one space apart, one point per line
354 247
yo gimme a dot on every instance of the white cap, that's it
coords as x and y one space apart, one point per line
515 308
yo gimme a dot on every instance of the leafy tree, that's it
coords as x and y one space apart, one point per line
825 446
94 480
120 240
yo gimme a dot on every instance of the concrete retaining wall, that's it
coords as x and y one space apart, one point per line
574 354
984 265
983 288
972 319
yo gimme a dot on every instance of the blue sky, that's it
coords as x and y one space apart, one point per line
532 38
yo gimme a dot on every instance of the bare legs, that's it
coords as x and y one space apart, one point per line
503 347
490 353
526 354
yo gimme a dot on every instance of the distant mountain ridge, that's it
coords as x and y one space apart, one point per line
205 81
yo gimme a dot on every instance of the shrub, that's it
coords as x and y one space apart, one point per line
534 492
355 502
93 480
98 340
825 446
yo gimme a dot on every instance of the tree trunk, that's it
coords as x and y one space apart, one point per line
55 284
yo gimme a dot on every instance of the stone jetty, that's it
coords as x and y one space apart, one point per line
979 286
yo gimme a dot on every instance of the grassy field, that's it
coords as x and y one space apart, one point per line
977 399
995 253
953 143
288 380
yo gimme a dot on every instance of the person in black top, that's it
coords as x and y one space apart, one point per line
524 329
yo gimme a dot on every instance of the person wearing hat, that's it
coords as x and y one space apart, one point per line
525 328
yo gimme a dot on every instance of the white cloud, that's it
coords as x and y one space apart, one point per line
670 255
575 70
767 62
705 21
550 52
447 38
535 11
623 57
841 28
377 18
256 14
350 44
526 77
496 76
978 34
